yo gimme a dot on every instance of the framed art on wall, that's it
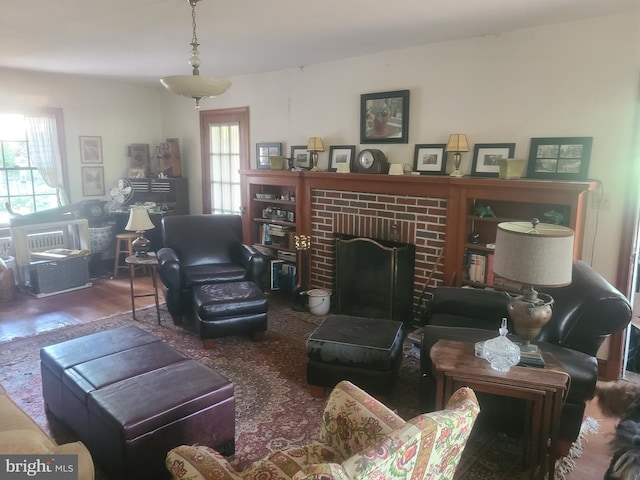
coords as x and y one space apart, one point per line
300 156
91 149
384 117
429 159
92 181
340 157
266 150
561 158
486 157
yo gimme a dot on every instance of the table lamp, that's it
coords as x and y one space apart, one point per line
139 222
535 255
315 145
457 143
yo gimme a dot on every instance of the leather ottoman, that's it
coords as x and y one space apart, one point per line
365 351
231 308
130 398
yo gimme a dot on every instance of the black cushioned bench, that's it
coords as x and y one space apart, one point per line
130 397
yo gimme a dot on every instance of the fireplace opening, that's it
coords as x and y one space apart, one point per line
374 278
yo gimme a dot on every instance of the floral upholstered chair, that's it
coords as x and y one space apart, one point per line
360 438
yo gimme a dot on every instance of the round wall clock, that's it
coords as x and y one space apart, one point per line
371 160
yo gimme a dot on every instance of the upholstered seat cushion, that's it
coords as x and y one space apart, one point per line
228 300
368 343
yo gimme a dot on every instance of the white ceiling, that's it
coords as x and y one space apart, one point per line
143 40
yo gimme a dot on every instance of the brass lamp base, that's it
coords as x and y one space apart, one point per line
457 159
529 313
141 245
314 160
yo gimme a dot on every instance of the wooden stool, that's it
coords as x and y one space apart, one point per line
124 246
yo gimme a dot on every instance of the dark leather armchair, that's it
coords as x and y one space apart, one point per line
201 250
584 314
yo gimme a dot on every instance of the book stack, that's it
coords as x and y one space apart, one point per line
479 267
278 235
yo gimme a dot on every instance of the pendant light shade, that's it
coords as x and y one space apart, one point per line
194 86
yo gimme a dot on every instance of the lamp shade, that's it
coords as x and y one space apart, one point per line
139 220
534 254
196 86
457 143
315 145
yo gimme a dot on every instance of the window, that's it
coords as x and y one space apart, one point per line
31 167
225 151
224 158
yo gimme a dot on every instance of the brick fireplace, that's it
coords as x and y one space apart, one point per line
408 219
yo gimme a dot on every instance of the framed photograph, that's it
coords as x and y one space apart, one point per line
266 150
340 157
562 158
291 216
384 117
92 181
301 158
486 158
429 159
91 149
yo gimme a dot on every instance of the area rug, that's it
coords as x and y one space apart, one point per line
274 408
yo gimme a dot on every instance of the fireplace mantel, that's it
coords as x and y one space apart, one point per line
456 194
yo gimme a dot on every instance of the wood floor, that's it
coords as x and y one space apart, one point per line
27 315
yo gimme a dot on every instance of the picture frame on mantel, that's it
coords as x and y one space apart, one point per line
340 157
559 158
301 157
487 156
429 159
266 150
384 117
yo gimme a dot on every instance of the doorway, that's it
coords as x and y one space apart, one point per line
225 151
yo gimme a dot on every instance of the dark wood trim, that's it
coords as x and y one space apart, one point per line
239 115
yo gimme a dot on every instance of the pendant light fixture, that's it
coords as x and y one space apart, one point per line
194 86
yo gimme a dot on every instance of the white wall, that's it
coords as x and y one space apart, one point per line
573 79
120 113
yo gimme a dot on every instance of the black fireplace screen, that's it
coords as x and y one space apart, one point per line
374 278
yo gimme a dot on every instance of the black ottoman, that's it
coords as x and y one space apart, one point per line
232 308
365 351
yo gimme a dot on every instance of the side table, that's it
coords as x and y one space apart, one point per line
151 261
455 365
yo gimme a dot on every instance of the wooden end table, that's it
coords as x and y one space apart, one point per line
152 262
455 365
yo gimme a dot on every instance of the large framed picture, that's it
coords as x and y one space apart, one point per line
300 157
92 181
384 117
561 158
429 159
266 150
487 156
340 157
91 149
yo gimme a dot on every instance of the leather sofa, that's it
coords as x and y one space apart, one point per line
203 250
584 314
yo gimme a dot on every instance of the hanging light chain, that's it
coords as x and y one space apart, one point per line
195 54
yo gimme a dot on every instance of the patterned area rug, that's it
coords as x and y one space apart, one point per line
274 408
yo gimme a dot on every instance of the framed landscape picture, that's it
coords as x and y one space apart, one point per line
301 157
340 157
429 159
486 157
384 117
92 181
91 149
561 158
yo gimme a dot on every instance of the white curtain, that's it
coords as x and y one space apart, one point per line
44 152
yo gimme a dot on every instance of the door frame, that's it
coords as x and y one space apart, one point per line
238 115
